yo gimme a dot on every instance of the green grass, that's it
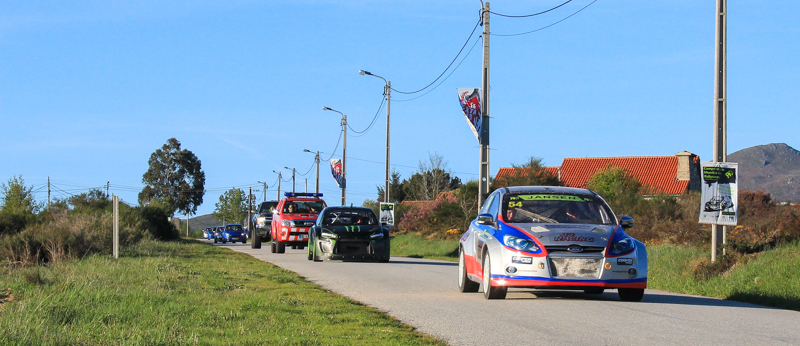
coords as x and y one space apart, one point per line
414 245
177 293
770 278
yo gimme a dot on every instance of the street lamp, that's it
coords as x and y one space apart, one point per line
293 171
316 159
344 153
279 184
387 90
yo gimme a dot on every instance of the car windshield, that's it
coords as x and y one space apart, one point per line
267 207
313 207
233 227
349 217
556 208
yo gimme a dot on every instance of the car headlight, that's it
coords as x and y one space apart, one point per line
326 234
287 223
622 246
521 244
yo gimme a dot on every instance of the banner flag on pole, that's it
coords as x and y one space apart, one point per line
470 99
336 170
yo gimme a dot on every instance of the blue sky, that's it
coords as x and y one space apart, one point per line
89 89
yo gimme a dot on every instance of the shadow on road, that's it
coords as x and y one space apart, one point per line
424 263
653 297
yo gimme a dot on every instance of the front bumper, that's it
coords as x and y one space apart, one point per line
353 249
569 271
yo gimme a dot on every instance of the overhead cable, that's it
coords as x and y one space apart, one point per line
545 27
530 15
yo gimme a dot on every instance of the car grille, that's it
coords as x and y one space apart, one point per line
576 267
345 247
586 249
304 223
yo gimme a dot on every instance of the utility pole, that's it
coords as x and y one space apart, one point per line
293 185
306 179
344 160
483 183
107 184
115 231
720 109
265 192
48 192
316 185
388 89
279 185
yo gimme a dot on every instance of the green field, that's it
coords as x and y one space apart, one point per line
180 293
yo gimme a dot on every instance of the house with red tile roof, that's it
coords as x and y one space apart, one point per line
673 175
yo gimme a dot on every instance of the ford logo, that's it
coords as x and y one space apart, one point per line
575 248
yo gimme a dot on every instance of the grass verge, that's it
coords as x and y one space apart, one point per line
177 293
414 245
769 278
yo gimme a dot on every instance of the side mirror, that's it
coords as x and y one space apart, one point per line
626 221
485 219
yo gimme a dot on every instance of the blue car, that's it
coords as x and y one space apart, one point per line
230 233
208 233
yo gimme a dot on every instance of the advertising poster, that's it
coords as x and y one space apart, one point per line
470 99
387 214
336 170
720 193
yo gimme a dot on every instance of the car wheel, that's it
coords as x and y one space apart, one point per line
631 294
595 290
384 260
244 241
489 291
465 285
224 242
281 247
215 240
294 246
301 247
273 248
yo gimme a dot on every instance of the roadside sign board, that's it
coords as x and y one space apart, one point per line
387 214
720 193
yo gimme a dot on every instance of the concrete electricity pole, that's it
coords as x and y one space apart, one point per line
279 185
720 109
387 90
48 192
293 171
316 159
483 179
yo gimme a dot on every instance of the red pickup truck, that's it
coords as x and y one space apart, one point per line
295 214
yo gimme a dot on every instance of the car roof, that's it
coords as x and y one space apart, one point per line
548 189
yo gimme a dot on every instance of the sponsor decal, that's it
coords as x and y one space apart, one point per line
521 259
548 197
625 261
607 265
573 237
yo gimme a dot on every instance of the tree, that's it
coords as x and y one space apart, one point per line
232 206
19 206
396 187
432 178
532 172
619 188
174 180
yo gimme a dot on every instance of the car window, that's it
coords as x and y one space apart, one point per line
493 208
344 217
234 227
487 204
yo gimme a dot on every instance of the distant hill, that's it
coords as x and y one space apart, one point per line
203 221
773 168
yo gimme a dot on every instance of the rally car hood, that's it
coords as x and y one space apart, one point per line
568 234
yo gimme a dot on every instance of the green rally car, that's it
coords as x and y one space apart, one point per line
348 233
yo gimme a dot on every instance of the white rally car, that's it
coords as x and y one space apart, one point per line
548 237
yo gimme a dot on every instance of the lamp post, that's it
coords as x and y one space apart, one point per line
293 171
387 90
344 153
265 189
279 184
316 159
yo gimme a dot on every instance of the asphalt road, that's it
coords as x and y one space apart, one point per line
424 293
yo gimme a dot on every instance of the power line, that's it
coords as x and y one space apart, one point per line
530 15
545 27
448 76
383 99
448 66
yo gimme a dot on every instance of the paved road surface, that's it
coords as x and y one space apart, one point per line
423 293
